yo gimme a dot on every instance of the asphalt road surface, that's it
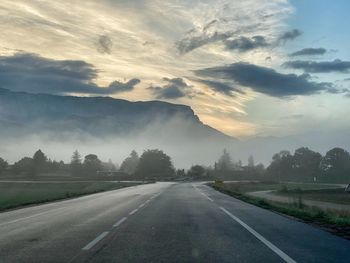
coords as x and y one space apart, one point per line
162 222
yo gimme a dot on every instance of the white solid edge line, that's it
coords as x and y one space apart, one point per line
119 222
275 249
141 205
31 216
95 241
133 211
24 218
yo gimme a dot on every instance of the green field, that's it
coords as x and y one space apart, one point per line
18 194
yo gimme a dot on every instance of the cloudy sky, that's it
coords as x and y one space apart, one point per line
248 68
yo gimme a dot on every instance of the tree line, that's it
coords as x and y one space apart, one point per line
153 164
304 165
308 165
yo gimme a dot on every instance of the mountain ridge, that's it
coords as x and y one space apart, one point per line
99 116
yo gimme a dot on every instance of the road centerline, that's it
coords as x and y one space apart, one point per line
133 211
275 249
95 241
120 222
211 200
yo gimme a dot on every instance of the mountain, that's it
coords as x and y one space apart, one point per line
105 126
22 114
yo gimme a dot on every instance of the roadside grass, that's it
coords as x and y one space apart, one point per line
13 195
243 187
329 219
338 195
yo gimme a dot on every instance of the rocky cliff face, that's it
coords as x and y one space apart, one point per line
24 113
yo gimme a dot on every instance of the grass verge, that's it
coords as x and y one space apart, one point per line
337 222
14 195
337 195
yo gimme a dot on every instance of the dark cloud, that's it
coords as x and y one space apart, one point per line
320 67
309 52
244 44
221 87
117 86
289 35
210 24
174 89
265 80
32 73
190 43
104 44
334 90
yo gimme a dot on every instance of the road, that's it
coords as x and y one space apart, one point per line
162 222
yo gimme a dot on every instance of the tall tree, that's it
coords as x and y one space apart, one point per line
155 164
225 162
76 163
281 166
306 163
251 161
130 163
336 164
39 161
92 164
3 166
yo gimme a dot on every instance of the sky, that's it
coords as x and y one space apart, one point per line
253 68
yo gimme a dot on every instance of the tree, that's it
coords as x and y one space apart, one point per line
251 161
39 161
24 166
197 171
180 172
155 164
225 162
3 166
336 163
306 163
109 166
76 163
259 169
281 166
130 163
92 164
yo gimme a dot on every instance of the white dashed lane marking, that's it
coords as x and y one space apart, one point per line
120 222
133 211
95 241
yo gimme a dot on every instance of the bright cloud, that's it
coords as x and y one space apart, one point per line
151 49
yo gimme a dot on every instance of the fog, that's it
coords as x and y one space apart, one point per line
186 142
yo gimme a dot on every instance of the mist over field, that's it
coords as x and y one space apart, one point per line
179 138
104 126
184 153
